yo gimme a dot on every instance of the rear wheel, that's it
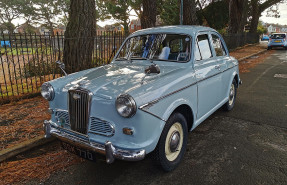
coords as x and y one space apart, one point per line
228 106
172 143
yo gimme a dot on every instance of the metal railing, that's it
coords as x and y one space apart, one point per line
234 41
28 60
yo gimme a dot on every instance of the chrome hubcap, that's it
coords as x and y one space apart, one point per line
174 141
231 94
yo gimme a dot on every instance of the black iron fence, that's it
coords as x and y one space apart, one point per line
28 60
238 40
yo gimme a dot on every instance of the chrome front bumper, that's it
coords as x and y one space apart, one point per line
84 142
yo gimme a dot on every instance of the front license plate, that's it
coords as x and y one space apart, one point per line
86 154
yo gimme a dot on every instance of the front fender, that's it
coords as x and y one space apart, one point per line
164 107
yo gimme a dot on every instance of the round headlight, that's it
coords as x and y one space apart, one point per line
47 91
126 105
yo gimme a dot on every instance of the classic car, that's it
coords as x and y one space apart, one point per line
277 40
162 83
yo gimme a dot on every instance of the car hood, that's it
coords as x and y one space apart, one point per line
111 80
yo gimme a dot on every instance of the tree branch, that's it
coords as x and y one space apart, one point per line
267 4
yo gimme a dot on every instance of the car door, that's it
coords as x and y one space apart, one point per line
222 59
208 80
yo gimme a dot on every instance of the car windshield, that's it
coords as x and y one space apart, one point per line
164 47
278 36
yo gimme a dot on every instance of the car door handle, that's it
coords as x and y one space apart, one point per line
217 67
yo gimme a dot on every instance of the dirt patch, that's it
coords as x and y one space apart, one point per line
246 65
22 120
39 164
247 50
251 62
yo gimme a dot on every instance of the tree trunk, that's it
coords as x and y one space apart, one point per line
79 35
148 18
237 15
255 16
189 13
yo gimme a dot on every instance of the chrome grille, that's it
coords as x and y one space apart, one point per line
62 115
79 109
101 127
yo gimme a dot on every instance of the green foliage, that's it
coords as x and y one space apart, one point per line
116 9
261 29
10 10
46 11
39 68
216 15
169 12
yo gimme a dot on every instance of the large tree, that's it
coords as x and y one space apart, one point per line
47 11
257 7
238 11
79 35
169 11
215 14
189 12
116 9
148 18
9 11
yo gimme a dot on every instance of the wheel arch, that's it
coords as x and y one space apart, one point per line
187 112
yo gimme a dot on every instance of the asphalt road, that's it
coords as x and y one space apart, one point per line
245 146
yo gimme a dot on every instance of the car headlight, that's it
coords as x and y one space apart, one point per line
47 91
126 105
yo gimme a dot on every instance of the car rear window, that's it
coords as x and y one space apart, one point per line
278 36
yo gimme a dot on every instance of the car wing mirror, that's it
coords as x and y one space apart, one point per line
62 66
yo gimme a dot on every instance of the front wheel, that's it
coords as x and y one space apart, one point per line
172 143
228 106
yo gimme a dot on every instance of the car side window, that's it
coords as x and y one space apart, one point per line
203 48
217 45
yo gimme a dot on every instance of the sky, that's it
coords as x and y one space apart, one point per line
283 16
282 20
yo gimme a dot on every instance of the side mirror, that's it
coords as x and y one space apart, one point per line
61 66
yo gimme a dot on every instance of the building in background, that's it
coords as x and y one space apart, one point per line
275 28
134 25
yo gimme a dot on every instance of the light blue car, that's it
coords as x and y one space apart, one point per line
277 40
162 83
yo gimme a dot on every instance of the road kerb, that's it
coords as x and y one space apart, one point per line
24 146
244 58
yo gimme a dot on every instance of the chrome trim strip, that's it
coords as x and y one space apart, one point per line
146 106
151 103
153 114
107 149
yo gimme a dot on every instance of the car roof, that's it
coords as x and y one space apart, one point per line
177 29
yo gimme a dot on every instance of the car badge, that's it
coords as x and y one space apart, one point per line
76 96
